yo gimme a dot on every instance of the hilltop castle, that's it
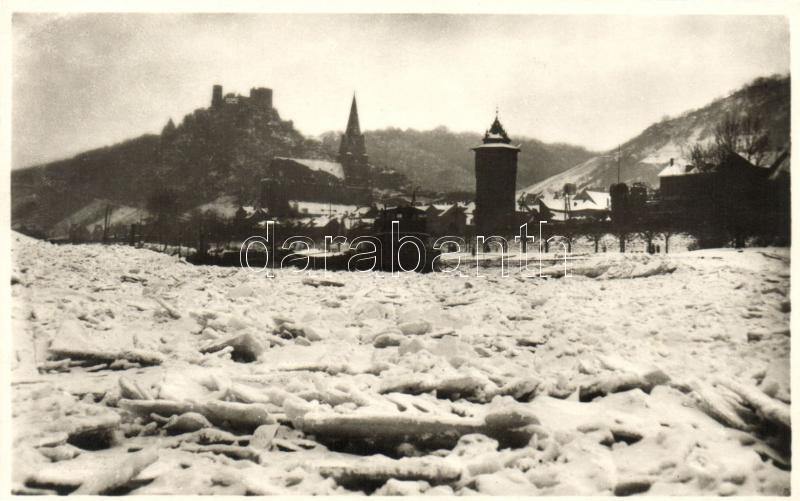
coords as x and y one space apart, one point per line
352 164
260 97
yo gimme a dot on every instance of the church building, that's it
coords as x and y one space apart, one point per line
345 181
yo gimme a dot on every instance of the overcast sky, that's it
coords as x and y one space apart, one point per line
84 81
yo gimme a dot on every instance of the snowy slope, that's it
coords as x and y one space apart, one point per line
643 157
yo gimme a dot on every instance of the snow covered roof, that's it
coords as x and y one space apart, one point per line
224 206
780 165
673 170
315 221
438 208
442 209
332 168
497 145
585 202
600 198
322 208
396 201
454 208
732 161
362 210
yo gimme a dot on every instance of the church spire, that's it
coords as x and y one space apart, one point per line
353 128
352 150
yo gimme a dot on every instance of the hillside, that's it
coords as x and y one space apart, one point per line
442 160
213 151
644 156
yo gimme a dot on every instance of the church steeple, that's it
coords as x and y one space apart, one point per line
353 128
352 147
353 150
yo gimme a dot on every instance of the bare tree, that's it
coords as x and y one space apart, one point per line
648 235
754 139
745 135
667 233
727 134
623 237
594 231
700 156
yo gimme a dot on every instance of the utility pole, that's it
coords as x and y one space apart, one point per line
619 149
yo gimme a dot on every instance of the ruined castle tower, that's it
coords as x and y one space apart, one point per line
261 97
216 96
353 151
495 182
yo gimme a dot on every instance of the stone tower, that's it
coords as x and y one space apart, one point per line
261 97
495 182
353 151
216 96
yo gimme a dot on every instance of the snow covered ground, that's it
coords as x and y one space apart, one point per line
137 373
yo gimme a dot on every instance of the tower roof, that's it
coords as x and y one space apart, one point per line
496 133
353 128
496 136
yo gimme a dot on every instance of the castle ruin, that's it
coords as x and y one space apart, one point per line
260 97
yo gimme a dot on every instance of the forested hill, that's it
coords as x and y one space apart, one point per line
212 152
442 160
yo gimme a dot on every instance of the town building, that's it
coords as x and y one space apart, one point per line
583 205
734 184
733 194
447 220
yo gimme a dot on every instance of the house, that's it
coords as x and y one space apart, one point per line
733 194
711 183
447 219
586 204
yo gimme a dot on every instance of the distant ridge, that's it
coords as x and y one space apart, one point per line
442 160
